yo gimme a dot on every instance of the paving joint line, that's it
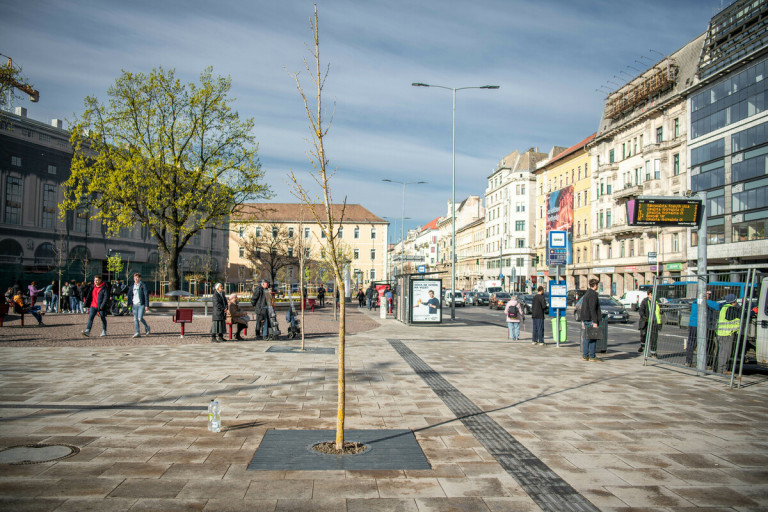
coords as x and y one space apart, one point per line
539 481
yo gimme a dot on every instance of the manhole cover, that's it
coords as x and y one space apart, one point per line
36 453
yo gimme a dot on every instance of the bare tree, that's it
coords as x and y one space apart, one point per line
272 251
302 249
327 217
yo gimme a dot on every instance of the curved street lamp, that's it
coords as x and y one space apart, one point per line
453 180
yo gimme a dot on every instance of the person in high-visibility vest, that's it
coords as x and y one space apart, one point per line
645 316
728 323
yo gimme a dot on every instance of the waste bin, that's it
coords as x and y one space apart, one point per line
602 345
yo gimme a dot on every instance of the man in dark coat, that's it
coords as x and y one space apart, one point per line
219 315
648 308
538 312
591 315
370 295
321 296
261 308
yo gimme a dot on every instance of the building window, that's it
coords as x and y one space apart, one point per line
521 243
610 251
241 231
608 218
677 127
274 231
373 233
51 169
647 170
258 232
610 157
656 169
13 193
754 195
621 251
659 134
520 262
373 254
600 221
519 225
373 274
49 206
676 163
290 252
16 161
751 230
241 252
356 254
290 232
357 233
675 242
341 232
306 252
306 232
322 233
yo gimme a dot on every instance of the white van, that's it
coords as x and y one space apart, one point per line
451 296
632 299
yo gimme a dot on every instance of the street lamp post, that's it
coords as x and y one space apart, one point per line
402 223
453 180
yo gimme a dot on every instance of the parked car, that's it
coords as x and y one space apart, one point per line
498 300
574 296
478 298
616 312
451 296
527 301
676 311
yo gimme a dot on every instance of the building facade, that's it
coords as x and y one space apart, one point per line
470 245
563 186
362 236
728 135
641 150
510 197
467 211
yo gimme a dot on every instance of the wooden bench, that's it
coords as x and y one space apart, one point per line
182 316
229 326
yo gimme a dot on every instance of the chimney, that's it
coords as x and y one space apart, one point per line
57 123
20 111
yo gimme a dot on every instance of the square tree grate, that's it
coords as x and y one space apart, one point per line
285 349
292 450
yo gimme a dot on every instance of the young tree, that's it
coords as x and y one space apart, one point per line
272 251
327 215
173 157
302 249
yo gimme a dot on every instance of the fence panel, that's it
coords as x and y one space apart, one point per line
671 335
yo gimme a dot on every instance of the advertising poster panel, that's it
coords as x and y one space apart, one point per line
560 216
425 301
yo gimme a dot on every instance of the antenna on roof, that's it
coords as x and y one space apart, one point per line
654 51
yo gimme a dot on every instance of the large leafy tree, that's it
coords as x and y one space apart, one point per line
272 250
173 157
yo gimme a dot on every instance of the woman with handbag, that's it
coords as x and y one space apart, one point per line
236 316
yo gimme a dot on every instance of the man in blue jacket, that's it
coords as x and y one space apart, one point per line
138 295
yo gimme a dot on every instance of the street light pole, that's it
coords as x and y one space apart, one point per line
453 179
402 218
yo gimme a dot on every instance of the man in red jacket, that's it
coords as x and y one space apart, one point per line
98 302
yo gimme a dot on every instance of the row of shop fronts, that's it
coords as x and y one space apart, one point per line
617 280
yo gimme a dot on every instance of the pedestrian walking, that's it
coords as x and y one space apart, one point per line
65 294
218 317
85 291
370 295
138 295
236 316
514 313
538 313
51 298
98 302
591 315
728 322
261 309
75 299
360 298
321 296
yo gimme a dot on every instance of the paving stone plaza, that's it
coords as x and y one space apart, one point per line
505 426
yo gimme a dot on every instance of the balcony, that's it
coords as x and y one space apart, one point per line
609 234
627 192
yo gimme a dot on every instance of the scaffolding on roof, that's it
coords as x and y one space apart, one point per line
654 81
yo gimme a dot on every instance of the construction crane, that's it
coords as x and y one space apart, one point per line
8 77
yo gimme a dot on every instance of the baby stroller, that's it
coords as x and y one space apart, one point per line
294 324
273 332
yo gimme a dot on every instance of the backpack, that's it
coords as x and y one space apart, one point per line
513 312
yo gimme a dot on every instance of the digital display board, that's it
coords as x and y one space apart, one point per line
664 211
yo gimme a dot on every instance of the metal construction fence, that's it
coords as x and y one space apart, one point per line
731 329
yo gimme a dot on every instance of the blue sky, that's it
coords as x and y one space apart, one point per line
547 56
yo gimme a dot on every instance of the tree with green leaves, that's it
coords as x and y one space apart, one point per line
170 156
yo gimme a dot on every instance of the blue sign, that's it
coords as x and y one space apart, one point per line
557 297
421 269
557 249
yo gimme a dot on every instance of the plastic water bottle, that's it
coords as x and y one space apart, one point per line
216 423
210 416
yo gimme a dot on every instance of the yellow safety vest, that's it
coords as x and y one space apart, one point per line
658 315
726 327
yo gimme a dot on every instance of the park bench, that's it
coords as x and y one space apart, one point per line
182 316
310 303
229 326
